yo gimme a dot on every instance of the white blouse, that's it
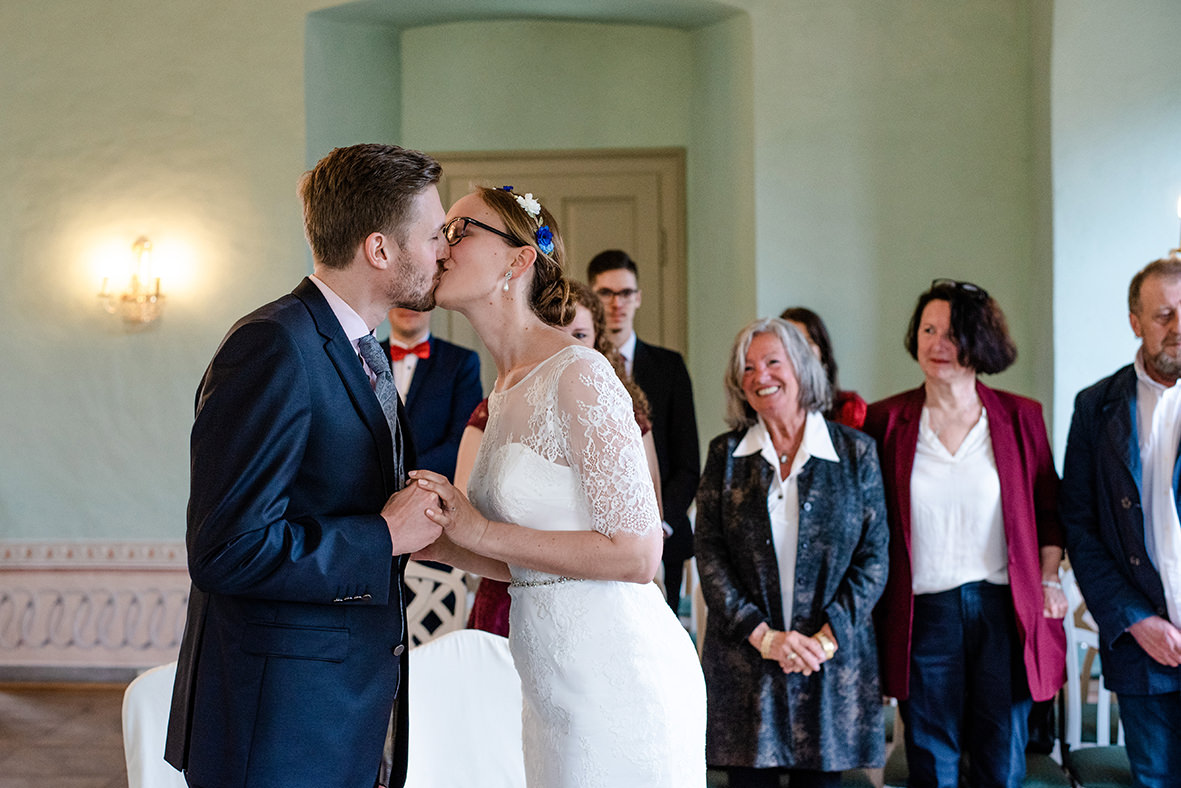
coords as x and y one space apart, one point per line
957 533
783 496
1158 427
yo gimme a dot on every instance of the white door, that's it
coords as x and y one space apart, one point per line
629 200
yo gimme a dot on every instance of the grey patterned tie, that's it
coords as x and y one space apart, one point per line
387 395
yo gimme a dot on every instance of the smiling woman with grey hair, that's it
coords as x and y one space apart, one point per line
792 550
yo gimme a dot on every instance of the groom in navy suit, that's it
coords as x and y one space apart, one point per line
440 386
298 523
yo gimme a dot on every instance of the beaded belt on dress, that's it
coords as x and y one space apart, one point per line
549 581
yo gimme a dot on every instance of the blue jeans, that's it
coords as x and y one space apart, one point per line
1152 728
967 687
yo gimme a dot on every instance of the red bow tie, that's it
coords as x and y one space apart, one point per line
422 350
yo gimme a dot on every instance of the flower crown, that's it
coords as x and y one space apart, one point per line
529 204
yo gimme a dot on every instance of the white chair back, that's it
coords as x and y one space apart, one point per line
439 605
465 714
146 705
1082 648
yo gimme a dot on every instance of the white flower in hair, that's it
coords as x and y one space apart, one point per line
528 204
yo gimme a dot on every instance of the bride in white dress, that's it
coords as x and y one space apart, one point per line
564 507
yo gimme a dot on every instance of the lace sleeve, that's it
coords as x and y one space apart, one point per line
605 448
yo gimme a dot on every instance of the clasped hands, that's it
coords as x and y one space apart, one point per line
426 509
798 653
449 510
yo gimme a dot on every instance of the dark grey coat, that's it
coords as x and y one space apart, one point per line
759 716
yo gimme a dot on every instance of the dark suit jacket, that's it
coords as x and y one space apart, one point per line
443 393
661 375
759 716
1101 509
1029 509
295 640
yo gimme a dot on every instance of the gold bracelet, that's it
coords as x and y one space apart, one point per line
826 643
765 646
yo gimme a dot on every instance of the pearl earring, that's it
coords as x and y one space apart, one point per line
507 276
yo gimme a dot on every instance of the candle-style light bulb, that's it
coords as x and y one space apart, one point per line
1179 218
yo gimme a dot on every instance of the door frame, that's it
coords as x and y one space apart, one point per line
667 164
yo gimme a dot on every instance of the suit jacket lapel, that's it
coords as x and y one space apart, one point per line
348 365
639 368
1120 428
1003 435
904 450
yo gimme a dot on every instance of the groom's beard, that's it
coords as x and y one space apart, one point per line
411 288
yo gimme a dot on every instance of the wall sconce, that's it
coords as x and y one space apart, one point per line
141 302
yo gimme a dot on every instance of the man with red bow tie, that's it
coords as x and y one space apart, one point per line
439 383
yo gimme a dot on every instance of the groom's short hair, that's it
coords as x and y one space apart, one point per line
362 189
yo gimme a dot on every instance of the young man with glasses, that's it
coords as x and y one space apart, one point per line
662 376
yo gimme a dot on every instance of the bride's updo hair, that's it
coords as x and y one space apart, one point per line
549 297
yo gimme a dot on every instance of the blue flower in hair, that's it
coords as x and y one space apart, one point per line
545 239
506 188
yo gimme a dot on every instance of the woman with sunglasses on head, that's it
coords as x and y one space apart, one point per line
970 621
563 507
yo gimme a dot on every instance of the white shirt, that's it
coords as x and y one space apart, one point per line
404 370
628 351
1158 429
352 323
957 532
783 496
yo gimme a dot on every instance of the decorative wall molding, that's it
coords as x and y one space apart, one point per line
91 604
91 555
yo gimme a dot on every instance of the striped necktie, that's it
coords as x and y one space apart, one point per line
387 395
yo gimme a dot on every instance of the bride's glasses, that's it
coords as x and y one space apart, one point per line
455 230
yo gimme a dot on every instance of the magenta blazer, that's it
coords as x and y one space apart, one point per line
1029 491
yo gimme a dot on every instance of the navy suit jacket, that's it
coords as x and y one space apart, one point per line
1101 509
443 393
661 375
294 647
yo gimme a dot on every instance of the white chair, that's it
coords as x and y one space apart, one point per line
146 704
465 714
1097 761
439 605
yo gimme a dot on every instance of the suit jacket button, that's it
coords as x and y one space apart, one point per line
808 506
1134 561
1126 502
398 650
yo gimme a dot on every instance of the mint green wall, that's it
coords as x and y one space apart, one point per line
351 83
893 145
723 285
522 85
117 119
840 153
1117 178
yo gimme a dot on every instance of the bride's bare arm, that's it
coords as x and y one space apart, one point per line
623 556
445 551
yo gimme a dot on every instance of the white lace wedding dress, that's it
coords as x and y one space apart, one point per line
613 692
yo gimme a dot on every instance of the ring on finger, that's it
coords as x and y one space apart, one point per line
792 656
